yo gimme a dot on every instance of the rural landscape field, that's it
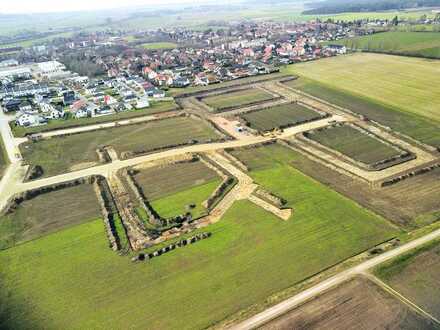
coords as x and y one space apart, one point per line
206 165
426 44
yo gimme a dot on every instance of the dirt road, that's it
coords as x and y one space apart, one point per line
8 139
88 128
288 304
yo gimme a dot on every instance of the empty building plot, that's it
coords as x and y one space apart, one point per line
357 144
68 153
356 304
280 116
178 188
238 98
41 213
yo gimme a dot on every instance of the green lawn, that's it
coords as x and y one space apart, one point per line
237 98
279 116
61 154
47 213
159 45
426 44
354 144
70 123
251 255
413 125
176 204
409 84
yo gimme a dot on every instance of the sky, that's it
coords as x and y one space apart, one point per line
43 6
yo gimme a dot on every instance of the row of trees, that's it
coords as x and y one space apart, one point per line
343 6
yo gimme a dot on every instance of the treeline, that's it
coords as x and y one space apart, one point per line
343 6
83 65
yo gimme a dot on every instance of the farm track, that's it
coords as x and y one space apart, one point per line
292 302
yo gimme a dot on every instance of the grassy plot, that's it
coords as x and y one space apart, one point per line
237 98
159 45
415 126
349 305
47 213
354 144
409 84
279 116
415 276
172 188
425 44
70 123
177 204
250 255
61 154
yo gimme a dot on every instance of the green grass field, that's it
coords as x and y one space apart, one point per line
159 45
354 144
421 287
48 213
391 80
418 127
279 116
172 188
61 154
409 84
176 204
70 123
237 98
425 44
251 255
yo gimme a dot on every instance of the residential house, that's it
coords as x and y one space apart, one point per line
142 103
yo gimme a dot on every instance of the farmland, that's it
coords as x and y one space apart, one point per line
61 154
237 98
159 45
354 144
315 239
74 122
425 44
409 204
279 116
170 189
421 287
349 306
415 126
390 80
47 213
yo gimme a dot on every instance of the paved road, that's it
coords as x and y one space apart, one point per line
288 304
8 138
